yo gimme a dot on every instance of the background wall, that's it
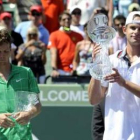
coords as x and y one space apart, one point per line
66 113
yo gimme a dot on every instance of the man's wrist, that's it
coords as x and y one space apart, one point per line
53 68
30 114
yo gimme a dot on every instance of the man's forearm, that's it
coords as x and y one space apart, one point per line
35 110
95 91
53 57
133 88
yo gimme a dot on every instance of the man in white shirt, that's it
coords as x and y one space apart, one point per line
119 41
88 6
122 87
76 12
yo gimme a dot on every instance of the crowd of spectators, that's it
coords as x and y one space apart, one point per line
60 27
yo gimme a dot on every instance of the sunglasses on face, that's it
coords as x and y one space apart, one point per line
122 24
76 13
32 34
63 19
36 14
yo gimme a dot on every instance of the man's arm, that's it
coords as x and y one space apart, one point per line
116 77
133 88
25 116
96 92
35 110
110 11
76 59
53 52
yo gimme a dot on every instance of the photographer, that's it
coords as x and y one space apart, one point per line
33 54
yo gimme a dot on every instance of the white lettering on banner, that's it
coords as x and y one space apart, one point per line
64 96
85 96
52 95
75 97
42 97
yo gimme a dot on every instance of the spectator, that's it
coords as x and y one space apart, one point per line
32 54
75 12
88 6
62 46
119 41
124 5
13 79
23 8
122 87
83 55
6 20
36 20
52 10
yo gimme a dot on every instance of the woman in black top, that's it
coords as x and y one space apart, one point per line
33 54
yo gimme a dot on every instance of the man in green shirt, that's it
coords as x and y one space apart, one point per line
14 79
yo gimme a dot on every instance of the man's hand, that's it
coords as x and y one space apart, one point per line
96 50
115 77
5 121
55 73
23 117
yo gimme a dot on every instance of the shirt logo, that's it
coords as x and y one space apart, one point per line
18 80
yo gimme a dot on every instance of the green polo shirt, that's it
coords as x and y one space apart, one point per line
20 79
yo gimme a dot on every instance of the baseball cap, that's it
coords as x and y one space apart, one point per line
73 8
133 6
37 8
0 1
5 14
130 18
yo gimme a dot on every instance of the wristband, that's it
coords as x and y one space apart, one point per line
54 68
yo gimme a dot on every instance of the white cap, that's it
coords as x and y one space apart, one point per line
130 18
74 7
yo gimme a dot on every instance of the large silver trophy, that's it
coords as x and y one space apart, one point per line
22 101
101 33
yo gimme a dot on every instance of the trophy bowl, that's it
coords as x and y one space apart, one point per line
100 33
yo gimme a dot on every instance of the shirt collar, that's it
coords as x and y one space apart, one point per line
123 55
14 71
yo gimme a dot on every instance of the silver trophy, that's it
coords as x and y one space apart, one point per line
22 101
101 33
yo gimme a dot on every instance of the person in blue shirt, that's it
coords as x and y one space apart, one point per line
35 17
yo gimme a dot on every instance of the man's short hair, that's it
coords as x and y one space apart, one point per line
5 36
64 13
119 17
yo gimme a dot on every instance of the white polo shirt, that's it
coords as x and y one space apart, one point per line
122 108
118 43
